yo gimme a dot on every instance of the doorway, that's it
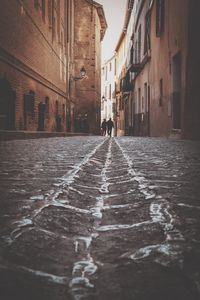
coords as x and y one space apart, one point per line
176 100
7 106
41 116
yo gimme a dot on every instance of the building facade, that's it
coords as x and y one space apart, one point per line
89 29
123 79
161 69
43 46
108 89
33 65
138 66
120 74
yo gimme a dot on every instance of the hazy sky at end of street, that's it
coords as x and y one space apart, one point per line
115 14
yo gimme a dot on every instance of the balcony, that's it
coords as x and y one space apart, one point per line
126 83
114 94
135 67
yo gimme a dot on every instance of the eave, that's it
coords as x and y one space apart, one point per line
101 15
129 7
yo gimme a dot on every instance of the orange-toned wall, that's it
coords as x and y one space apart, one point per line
172 41
87 53
31 59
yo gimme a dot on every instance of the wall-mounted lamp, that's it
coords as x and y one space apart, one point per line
103 98
82 75
82 72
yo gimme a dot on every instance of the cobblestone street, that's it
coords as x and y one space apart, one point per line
100 218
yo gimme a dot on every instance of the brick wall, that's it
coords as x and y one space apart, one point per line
33 58
87 54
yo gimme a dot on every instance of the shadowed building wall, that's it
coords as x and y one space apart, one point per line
33 63
164 65
89 29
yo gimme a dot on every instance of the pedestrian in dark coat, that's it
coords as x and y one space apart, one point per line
103 127
110 126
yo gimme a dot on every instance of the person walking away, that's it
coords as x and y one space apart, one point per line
103 127
110 126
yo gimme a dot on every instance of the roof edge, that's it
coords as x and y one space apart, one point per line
101 14
129 7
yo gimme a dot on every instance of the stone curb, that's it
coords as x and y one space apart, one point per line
23 135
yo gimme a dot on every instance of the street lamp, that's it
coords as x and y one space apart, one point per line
71 104
81 76
103 98
82 72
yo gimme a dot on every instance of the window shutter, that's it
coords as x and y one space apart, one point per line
160 16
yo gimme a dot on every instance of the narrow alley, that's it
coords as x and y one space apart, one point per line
100 218
99 150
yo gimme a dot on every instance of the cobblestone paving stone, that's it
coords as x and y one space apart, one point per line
100 218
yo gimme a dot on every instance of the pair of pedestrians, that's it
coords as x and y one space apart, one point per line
107 126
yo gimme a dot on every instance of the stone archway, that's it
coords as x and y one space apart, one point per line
7 106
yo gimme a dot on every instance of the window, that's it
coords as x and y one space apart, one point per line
161 93
145 98
160 16
47 105
113 108
36 4
130 4
29 102
121 103
135 103
58 19
110 66
149 95
109 91
139 43
54 27
139 101
147 39
63 111
142 105
50 15
56 108
136 52
131 55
